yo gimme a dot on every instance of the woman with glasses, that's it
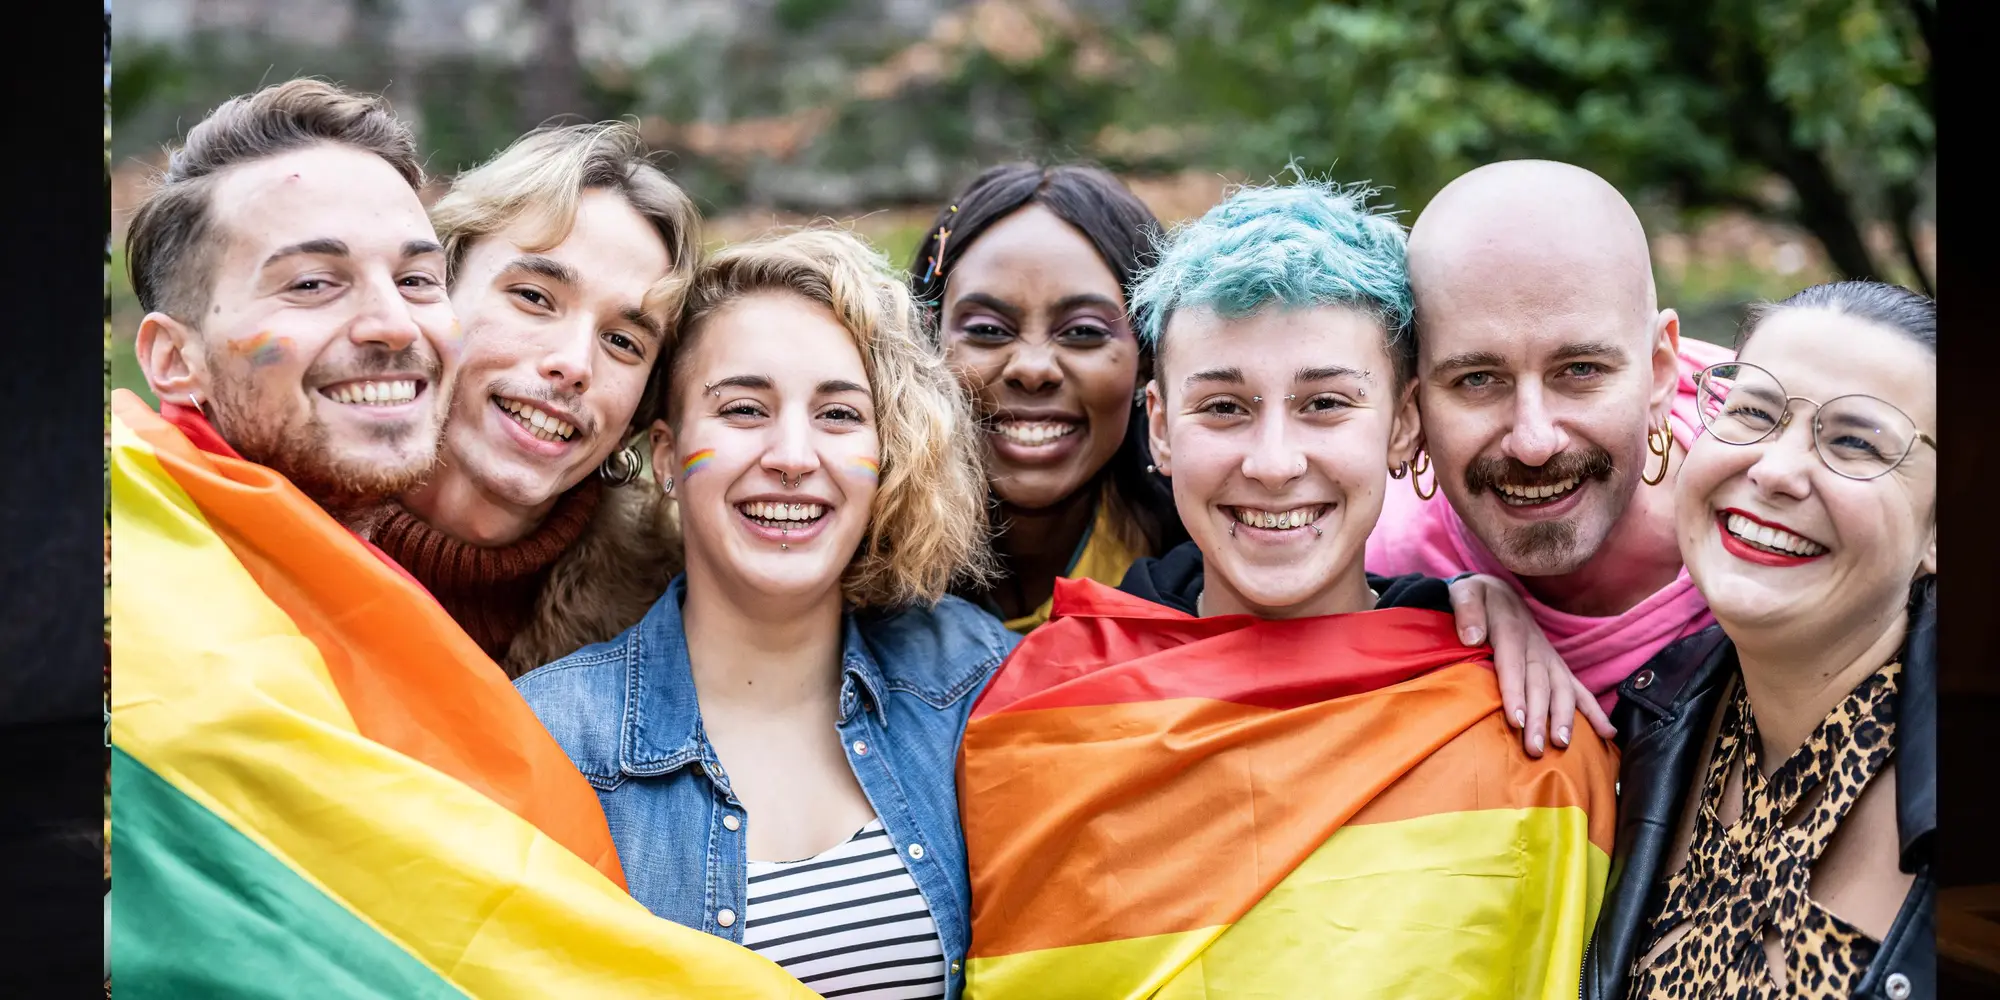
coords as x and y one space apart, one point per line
1779 780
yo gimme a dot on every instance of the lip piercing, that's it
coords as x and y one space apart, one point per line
1316 532
1232 529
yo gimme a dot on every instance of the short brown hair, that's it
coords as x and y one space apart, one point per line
169 245
542 176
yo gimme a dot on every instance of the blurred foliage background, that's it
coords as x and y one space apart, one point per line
1767 143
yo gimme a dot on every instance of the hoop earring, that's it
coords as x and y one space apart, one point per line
1416 478
1664 449
621 466
1400 471
1423 463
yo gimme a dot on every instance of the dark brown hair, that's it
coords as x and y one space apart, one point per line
169 245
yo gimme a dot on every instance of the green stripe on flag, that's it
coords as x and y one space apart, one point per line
200 910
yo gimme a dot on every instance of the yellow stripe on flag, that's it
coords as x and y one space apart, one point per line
1478 905
219 694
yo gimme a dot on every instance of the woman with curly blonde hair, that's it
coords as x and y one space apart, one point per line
774 744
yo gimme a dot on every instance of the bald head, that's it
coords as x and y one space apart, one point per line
1543 359
1536 234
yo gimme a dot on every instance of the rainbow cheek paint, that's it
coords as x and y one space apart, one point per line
867 467
695 461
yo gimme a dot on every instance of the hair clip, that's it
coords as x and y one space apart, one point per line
937 262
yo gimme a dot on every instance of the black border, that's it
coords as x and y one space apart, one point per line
56 214
1968 626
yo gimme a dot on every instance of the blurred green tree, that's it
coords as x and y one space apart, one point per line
1704 100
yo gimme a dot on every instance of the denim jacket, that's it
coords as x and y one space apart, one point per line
625 712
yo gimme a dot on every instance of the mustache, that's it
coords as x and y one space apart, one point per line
568 404
1486 473
372 360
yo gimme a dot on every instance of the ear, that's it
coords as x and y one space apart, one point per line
171 357
662 438
1929 563
1406 428
1156 428
1666 364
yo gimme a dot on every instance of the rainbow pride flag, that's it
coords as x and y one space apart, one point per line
322 788
1158 805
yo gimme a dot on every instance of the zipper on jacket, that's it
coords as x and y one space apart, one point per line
1583 975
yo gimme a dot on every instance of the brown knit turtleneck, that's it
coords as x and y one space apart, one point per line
490 592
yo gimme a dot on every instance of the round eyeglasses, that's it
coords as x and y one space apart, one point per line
1857 436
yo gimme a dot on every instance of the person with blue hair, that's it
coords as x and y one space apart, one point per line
1311 760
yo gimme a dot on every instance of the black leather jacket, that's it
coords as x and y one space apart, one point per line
1663 714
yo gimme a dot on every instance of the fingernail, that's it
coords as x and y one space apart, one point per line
1520 718
1536 742
1562 735
1472 635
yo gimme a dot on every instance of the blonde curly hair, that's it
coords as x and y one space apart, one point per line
928 528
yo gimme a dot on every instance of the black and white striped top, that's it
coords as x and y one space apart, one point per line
848 923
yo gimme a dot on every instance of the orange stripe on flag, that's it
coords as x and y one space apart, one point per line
411 679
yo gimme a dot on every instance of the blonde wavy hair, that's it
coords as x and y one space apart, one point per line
543 176
928 528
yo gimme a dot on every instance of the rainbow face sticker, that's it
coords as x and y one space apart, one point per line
867 467
696 461
263 349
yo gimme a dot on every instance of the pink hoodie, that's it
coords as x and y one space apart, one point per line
1416 536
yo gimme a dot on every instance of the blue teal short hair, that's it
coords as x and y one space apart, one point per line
1296 246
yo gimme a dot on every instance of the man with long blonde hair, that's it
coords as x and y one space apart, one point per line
569 254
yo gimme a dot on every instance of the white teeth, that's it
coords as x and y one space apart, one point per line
1765 536
1517 495
1034 432
389 393
795 512
1298 517
538 421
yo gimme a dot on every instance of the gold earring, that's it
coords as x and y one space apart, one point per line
1416 477
1659 441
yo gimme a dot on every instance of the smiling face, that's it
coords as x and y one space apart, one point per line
325 349
557 351
1537 394
775 466
1035 323
1279 493
1773 538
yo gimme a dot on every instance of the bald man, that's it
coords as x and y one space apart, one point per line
1552 387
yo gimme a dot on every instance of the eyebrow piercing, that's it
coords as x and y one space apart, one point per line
709 389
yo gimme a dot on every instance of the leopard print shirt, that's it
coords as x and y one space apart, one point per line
1745 881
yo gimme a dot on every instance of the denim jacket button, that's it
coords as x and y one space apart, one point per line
954 966
729 820
861 748
916 852
726 918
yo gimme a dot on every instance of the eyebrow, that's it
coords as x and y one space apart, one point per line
1232 376
1327 372
1069 302
759 382
834 385
325 247
1587 349
1004 308
639 318
547 267
1469 359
